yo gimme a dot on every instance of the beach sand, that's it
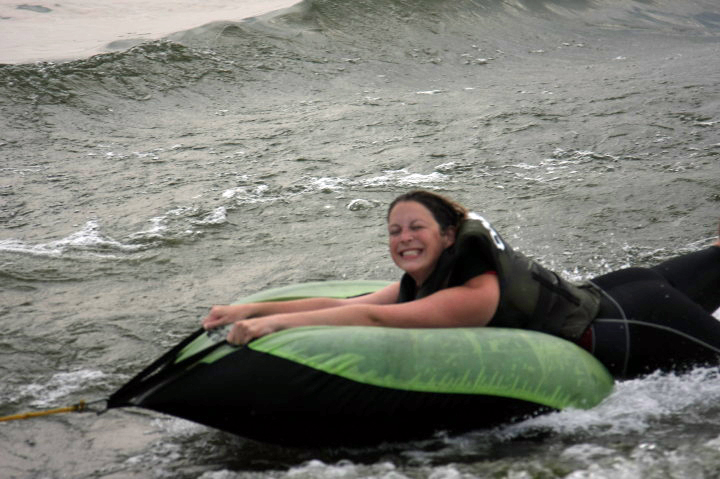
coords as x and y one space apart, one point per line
73 29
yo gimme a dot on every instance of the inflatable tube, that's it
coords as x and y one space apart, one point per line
351 386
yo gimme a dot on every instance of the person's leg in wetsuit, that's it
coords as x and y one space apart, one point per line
660 317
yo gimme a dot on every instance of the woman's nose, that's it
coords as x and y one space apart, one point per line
406 235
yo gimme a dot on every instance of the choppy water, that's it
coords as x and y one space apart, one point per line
140 187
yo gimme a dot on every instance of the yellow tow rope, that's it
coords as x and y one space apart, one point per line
79 407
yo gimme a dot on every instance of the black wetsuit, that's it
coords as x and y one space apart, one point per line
659 317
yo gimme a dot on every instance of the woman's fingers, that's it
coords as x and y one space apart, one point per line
213 318
241 333
220 315
246 330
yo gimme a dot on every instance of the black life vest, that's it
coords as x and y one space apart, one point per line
531 296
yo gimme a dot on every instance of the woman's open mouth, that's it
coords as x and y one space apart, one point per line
410 253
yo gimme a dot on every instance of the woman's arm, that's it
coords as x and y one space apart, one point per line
226 314
472 304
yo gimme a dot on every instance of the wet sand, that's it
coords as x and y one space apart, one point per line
50 31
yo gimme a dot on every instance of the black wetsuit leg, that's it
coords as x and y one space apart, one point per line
661 317
697 275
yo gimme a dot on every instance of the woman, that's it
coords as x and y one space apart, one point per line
460 273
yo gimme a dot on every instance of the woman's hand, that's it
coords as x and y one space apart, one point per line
246 330
221 315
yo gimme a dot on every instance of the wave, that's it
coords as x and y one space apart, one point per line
88 240
395 19
130 74
314 33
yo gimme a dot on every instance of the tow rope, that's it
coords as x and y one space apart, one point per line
79 407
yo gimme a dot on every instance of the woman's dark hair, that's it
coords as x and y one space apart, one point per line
446 212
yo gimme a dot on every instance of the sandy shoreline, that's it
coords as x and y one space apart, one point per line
50 31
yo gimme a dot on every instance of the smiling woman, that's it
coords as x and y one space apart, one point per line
417 238
459 272
422 228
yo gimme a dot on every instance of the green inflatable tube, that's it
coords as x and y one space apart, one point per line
337 385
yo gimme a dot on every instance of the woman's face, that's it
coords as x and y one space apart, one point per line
416 240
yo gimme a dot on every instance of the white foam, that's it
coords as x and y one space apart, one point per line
634 406
391 178
216 217
58 386
156 230
176 223
248 194
447 167
177 427
89 240
222 474
586 453
327 184
317 469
